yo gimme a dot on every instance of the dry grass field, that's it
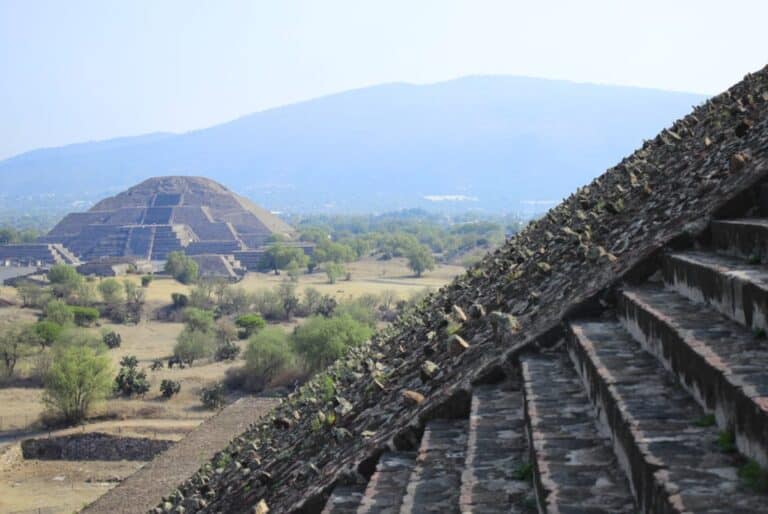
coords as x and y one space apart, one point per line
66 486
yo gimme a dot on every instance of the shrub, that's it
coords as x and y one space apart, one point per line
268 354
226 351
179 300
169 388
182 268
198 320
129 380
146 280
78 377
84 316
58 312
112 340
320 341
192 345
249 324
48 332
111 291
213 397
64 280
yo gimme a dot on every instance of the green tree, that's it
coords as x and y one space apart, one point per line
279 256
198 320
420 259
84 316
329 251
17 340
268 354
320 341
334 271
58 312
8 235
249 324
65 280
192 345
48 332
79 377
111 291
182 268
287 293
130 381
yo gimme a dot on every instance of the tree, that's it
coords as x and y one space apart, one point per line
146 280
169 388
420 259
79 376
64 280
58 312
17 340
182 268
111 291
198 320
213 397
130 381
333 271
32 295
287 293
249 324
268 354
320 341
48 332
84 316
112 339
134 300
329 251
279 256
192 345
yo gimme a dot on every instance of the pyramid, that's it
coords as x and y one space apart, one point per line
165 214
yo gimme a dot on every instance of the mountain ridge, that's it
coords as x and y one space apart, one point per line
400 141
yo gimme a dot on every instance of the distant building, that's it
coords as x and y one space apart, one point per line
225 233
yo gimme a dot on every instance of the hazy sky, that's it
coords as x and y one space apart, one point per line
74 70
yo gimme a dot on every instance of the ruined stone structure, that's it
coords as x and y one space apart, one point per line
610 358
93 446
166 214
36 254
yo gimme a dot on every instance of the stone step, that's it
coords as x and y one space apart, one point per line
735 288
574 468
722 364
345 499
386 488
496 453
746 238
669 454
435 484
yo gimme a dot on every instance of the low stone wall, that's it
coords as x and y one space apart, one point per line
93 446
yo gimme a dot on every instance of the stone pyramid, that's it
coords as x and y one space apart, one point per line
165 214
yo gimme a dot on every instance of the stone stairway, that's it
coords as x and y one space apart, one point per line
659 403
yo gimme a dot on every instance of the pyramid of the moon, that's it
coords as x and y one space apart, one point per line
165 214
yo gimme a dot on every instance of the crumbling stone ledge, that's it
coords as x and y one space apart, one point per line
93 446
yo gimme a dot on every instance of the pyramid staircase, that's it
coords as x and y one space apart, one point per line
658 403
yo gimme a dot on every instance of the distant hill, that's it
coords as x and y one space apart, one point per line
494 143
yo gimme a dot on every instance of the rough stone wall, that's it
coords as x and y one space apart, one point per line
93 446
565 262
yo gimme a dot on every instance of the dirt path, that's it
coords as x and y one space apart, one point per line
145 488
